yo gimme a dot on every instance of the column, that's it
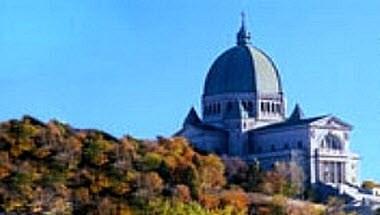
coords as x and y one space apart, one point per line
343 172
336 172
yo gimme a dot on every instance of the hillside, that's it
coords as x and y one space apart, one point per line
53 168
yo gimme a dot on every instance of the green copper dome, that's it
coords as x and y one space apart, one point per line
242 68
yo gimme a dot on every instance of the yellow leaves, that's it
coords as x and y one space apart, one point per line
151 161
120 187
15 150
211 172
96 151
171 162
101 182
174 146
279 200
26 145
20 146
68 170
100 159
27 130
13 204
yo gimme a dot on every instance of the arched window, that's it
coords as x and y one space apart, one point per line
273 108
332 142
262 106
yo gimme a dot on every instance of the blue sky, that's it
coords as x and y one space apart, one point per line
136 67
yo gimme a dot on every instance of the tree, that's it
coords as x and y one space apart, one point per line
335 206
148 186
286 179
369 185
278 205
254 177
238 199
236 169
182 193
211 173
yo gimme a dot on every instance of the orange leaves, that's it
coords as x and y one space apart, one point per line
58 169
209 200
273 183
182 193
5 165
236 198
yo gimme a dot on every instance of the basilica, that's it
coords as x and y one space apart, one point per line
244 114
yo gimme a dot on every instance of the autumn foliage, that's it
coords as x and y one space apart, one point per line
53 168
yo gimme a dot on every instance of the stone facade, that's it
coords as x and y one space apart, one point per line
244 114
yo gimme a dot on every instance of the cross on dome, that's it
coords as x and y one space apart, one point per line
243 36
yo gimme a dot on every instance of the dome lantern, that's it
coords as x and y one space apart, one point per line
243 36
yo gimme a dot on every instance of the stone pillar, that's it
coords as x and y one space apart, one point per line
335 172
344 172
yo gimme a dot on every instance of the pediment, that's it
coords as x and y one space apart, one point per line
332 122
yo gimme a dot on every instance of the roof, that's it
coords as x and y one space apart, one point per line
202 126
289 123
192 117
243 68
209 127
297 114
